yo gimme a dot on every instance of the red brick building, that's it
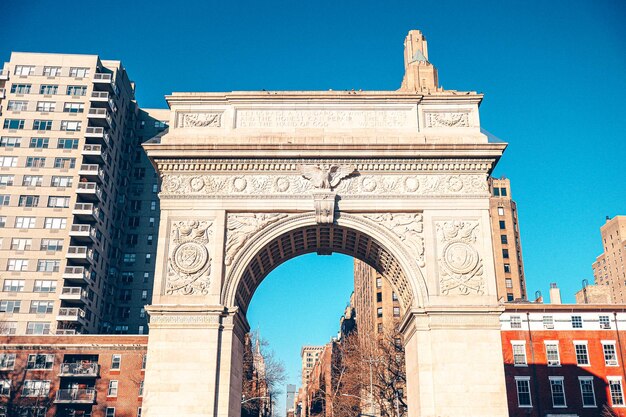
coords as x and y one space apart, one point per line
72 376
564 359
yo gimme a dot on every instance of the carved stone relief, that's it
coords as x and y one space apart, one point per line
204 119
189 262
460 262
240 227
326 176
408 227
447 119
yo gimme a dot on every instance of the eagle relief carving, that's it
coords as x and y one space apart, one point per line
326 176
189 263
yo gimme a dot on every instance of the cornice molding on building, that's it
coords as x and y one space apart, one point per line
563 308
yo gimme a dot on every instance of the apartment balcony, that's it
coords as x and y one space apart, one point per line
83 232
80 254
4 75
97 133
89 190
94 153
66 332
72 314
76 275
93 172
80 369
100 117
103 78
3 93
75 396
86 212
99 97
74 295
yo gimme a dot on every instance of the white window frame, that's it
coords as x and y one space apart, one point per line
7 361
109 412
585 344
593 391
520 344
614 379
609 362
113 388
554 362
5 387
558 380
530 397
116 362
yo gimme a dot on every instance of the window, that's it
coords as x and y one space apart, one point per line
61 182
146 277
20 88
71 126
79 72
7 361
149 240
516 322
48 89
5 199
151 222
25 222
35 162
17 105
29 411
38 142
10 142
396 311
32 180
28 201
142 313
62 202
143 361
46 265
46 106
577 322
380 327
523 391
9 327
379 312
76 90
55 223
617 394
503 191
155 188
587 391
144 294
139 173
112 392
13 285
610 354
40 361
558 392
605 323
45 285
10 306
36 327
141 389
139 409
24 70
116 362
52 71
14 123
129 258
508 282
41 307
152 205
503 239
110 412
502 224
582 356
3 221
519 353
8 161
21 244
379 282
73 108
5 387
552 353
42 124
64 162
51 245
548 322
35 388
17 265
505 253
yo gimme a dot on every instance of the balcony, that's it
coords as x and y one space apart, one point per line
73 295
97 133
93 172
80 369
73 314
86 212
100 117
89 190
3 94
66 332
99 96
83 232
94 153
100 77
81 254
75 396
4 75
76 275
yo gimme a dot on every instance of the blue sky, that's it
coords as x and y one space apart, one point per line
553 74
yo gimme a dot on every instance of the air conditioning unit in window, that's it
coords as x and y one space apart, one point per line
611 362
605 325
553 363
548 325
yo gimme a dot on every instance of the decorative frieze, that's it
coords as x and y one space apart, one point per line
408 227
460 262
189 262
199 119
447 119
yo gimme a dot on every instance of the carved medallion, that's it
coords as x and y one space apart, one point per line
189 257
189 264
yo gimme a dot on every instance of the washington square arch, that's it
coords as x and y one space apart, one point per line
397 179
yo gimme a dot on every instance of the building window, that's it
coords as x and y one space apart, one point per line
13 285
152 205
394 296
516 322
142 313
617 394
577 322
61 182
48 90
5 387
379 282
10 306
71 126
55 223
112 392
502 224
586 391
40 361
605 323
58 202
155 188
35 162
110 412
8 161
17 105
52 71
35 388
37 327
503 239
379 327
139 410
552 353
144 294
24 70
148 258
67 144
548 322
519 353
5 199
505 253
40 143
558 392
496 192
20 88
17 265
510 296
10 142
28 201
610 354
396 311
14 124
8 328
508 282
46 106
523 391
7 361
76 90
79 72
25 222
116 362
582 356
45 285
32 180
144 358
379 312
141 389
379 297
41 307
42 124
149 240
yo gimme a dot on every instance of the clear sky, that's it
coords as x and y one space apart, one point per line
553 74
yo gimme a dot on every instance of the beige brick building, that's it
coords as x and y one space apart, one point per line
78 202
507 247
610 267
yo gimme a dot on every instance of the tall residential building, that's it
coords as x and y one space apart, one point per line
290 399
507 247
610 267
309 355
76 191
